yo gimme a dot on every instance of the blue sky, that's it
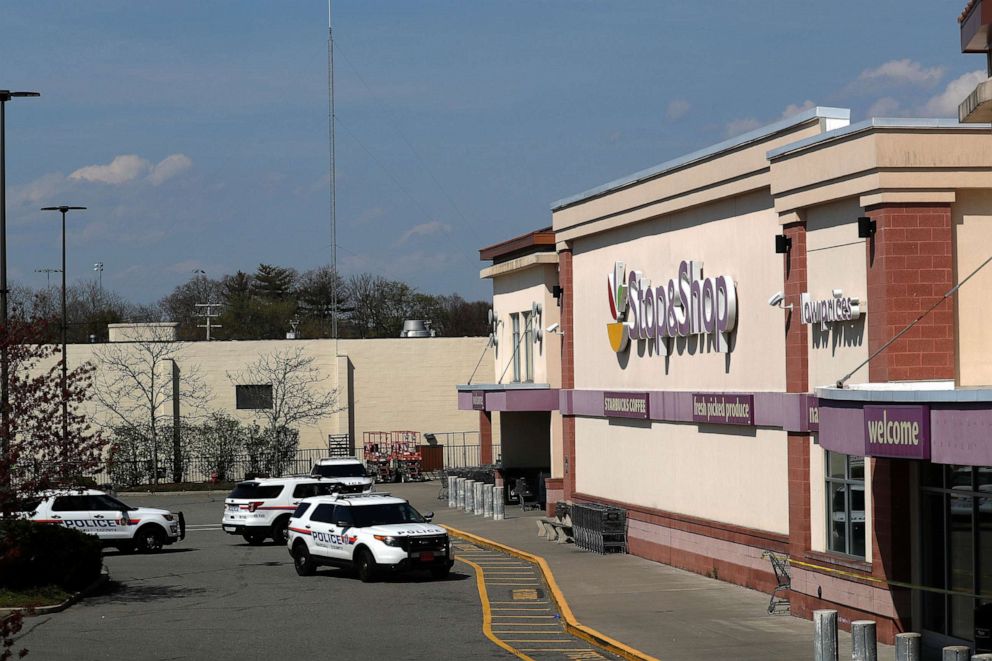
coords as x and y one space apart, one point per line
196 132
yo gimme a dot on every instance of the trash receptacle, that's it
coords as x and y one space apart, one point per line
983 629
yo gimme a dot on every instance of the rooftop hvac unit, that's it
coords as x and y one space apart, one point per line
417 328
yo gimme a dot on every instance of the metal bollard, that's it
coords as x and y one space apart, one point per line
460 493
908 646
825 635
498 512
469 496
487 501
864 642
956 653
479 487
452 496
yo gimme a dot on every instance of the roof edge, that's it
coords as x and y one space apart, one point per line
757 135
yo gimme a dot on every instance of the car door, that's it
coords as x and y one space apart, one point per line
72 511
111 518
320 525
343 531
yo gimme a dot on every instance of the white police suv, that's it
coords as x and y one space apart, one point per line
349 472
127 528
371 533
260 509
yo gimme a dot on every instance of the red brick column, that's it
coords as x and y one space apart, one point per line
485 437
910 266
797 381
567 365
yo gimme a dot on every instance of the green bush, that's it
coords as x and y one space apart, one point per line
38 554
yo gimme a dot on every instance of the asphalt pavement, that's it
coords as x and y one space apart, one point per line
214 597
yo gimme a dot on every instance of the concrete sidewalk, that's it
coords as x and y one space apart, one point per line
666 613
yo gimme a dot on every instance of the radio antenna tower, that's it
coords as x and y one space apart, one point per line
334 193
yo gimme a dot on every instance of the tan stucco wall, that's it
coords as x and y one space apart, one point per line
516 292
731 237
398 384
737 478
972 218
835 259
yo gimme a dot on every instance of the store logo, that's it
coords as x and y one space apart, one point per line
686 305
836 308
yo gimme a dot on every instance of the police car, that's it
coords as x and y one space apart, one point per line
371 533
260 509
349 472
127 528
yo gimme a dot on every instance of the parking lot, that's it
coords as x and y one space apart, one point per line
214 596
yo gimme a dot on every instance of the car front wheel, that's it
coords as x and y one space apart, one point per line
365 566
149 539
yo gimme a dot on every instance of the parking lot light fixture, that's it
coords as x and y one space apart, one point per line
65 407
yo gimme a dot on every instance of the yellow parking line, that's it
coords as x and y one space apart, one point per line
487 629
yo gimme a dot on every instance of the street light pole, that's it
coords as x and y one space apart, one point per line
65 403
5 96
98 267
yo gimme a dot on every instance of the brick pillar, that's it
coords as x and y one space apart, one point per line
910 267
567 365
797 381
485 437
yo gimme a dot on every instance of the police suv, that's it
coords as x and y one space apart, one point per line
127 528
260 509
349 472
370 533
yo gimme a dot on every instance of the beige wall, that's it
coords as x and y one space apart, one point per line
731 237
396 384
516 292
835 259
972 218
712 473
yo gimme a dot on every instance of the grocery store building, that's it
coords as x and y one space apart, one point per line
736 371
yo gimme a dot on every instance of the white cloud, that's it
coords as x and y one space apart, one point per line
677 109
946 103
739 126
40 191
120 170
424 229
795 109
903 72
884 107
169 167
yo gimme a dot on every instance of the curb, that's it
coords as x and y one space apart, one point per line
58 608
572 625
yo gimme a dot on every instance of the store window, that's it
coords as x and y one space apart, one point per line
528 348
515 319
956 512
846 504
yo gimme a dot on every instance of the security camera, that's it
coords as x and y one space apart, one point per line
552 328
776 299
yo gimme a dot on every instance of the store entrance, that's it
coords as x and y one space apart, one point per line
956 528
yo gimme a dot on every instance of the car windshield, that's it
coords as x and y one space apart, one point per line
104 502
339 470
385 514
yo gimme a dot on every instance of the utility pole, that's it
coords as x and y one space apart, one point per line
209 314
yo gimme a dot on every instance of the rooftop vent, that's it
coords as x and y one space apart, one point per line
417 328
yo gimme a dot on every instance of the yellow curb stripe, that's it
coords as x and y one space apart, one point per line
571 624
487 629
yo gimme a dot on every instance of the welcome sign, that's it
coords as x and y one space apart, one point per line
901 432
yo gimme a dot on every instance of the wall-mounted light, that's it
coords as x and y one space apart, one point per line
866 227
783 244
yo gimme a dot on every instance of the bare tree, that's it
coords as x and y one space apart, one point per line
298 392
137 380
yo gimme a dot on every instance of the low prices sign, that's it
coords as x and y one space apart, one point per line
901 432
723 409
626 405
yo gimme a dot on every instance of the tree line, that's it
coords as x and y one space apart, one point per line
265 304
